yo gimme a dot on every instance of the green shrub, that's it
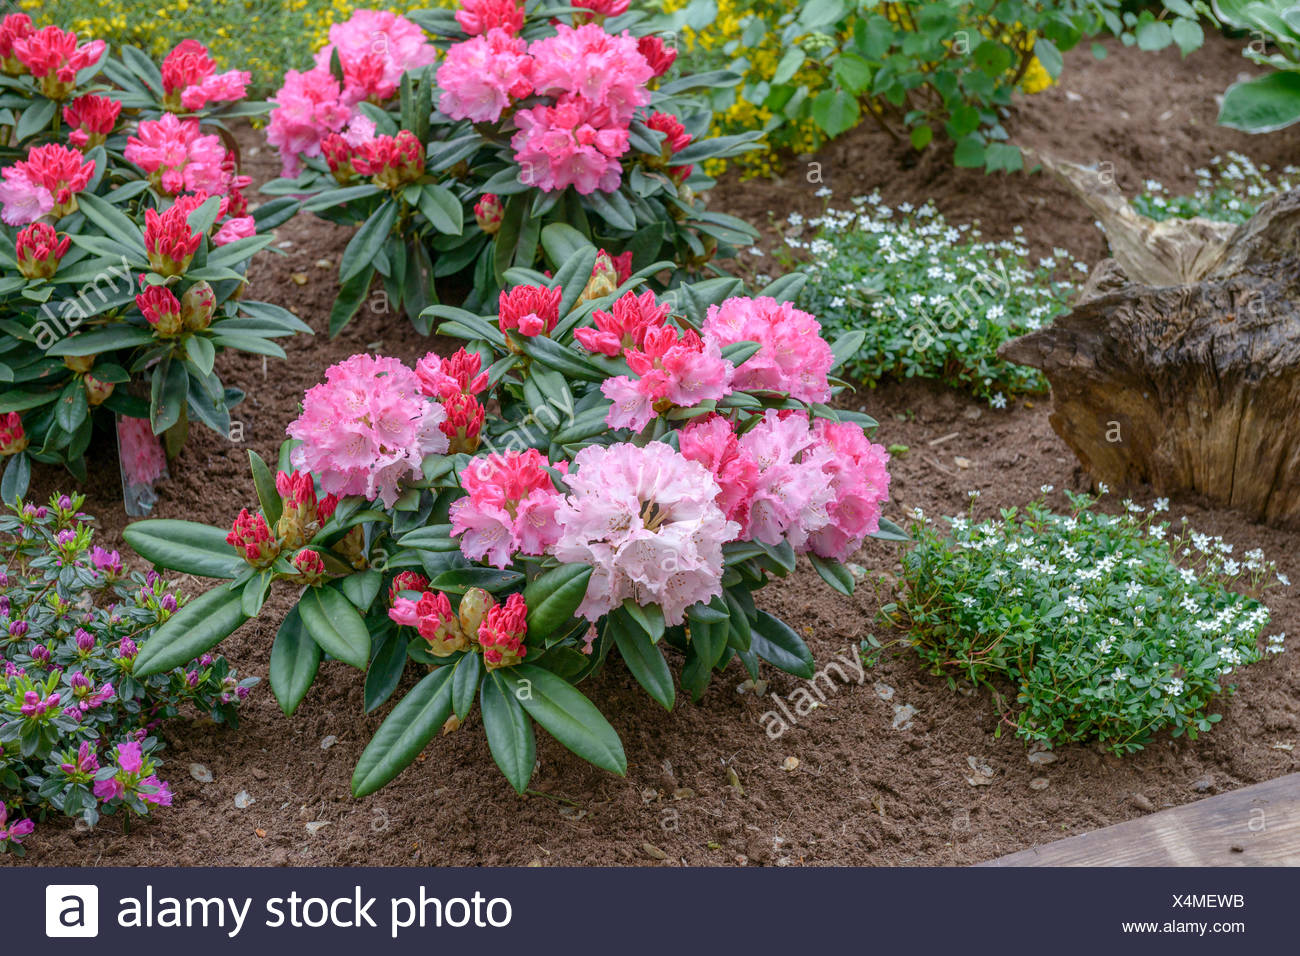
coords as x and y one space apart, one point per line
1108 627
933 300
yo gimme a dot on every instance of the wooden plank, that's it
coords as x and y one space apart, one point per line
1254 826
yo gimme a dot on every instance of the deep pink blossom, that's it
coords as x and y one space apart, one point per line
574 143
509 507
480 16
308 107
793 357
179 157
483 75
604 70
375 47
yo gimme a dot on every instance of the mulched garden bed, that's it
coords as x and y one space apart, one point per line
874 783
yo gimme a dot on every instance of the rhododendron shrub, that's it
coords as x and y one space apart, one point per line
77 722
599 469
125 240
456 141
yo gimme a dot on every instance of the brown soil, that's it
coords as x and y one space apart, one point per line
863 792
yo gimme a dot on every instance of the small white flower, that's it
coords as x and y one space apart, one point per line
823 192
1283 580
1118 675
1103 488
1160 504
1045 489
998 401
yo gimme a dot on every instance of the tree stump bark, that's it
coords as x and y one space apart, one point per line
1188 387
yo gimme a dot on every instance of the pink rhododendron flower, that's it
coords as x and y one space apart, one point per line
457 374
502 631
793 356
309 106
218 88
574 143
675 140
14 27
39 250
433 617
481 76
529 309
190 78
239 227
366 427
509 507
169 240
604 8
588 63
625 327
713 443
90 119
54 57
859 479
45 183
792 493
178 157
659 56
13 832
674 369
375 48
648 523
480 16
142 456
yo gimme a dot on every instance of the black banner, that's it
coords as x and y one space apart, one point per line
655 910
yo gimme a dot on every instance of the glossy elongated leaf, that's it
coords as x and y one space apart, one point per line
441 207
185 546
264 483
509 732
433 538
553 598
295 659
102 340
460 580
404 733
564 360
775 642
464 683
196 628
644 659
17 476
889 531
335 625
835 574
365 244
566 715
385 671
362 588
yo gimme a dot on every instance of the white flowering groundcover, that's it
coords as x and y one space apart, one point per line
1106 627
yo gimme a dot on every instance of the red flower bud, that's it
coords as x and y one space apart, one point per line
97 392
309 565
251 537
161 310
40 250
392 161
197 307
502 633
90 119
12 437
168 239
463 423
406 581
659 56
298 521
488 212
529 309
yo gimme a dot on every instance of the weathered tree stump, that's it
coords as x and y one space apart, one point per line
1193 386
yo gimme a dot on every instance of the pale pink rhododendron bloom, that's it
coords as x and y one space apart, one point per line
375 48
23 198
793 356
366 427
648 523
509 507
792 494
179 157
602 69
858 475
481 76
309 106
574 143
713 443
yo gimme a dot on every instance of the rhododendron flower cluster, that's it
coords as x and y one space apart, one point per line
90 119
502 633
366 427
45 183
480 16
190 78
529 310
39 250
509 507
374 49
648 522
481 76
169 240
672 368
793 357
178 156
54 57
